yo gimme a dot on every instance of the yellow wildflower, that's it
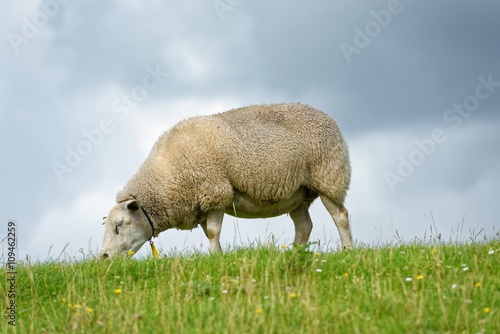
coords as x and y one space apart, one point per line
258 310
118 291
130 252
478 284
419 277
486 310
154 250
293 295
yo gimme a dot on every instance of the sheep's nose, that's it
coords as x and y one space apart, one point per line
105 255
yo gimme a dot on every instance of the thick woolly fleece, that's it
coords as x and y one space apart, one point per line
266 152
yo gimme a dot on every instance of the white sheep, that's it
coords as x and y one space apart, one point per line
251 162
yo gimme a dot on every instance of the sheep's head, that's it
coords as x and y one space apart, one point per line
127 229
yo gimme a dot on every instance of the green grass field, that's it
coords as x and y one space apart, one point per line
410 288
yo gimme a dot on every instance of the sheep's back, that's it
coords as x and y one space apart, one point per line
269 151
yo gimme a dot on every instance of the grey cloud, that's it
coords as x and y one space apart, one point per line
427 58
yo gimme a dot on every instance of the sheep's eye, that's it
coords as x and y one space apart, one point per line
118 224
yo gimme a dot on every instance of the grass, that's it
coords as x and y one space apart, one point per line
411 288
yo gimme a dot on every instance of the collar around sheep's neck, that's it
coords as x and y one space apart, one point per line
147 216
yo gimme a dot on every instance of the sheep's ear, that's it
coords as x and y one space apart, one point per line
133 205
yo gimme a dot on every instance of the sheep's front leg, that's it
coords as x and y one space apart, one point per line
212 227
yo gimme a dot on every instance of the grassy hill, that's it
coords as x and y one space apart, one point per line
411 288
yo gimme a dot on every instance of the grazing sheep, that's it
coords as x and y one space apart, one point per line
251 162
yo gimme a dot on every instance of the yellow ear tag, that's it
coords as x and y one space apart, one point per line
154 250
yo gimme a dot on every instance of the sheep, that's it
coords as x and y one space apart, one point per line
257 161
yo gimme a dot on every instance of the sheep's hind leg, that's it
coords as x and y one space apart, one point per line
341 218
212 227
303 224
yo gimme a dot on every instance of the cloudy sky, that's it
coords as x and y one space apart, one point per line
87 87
